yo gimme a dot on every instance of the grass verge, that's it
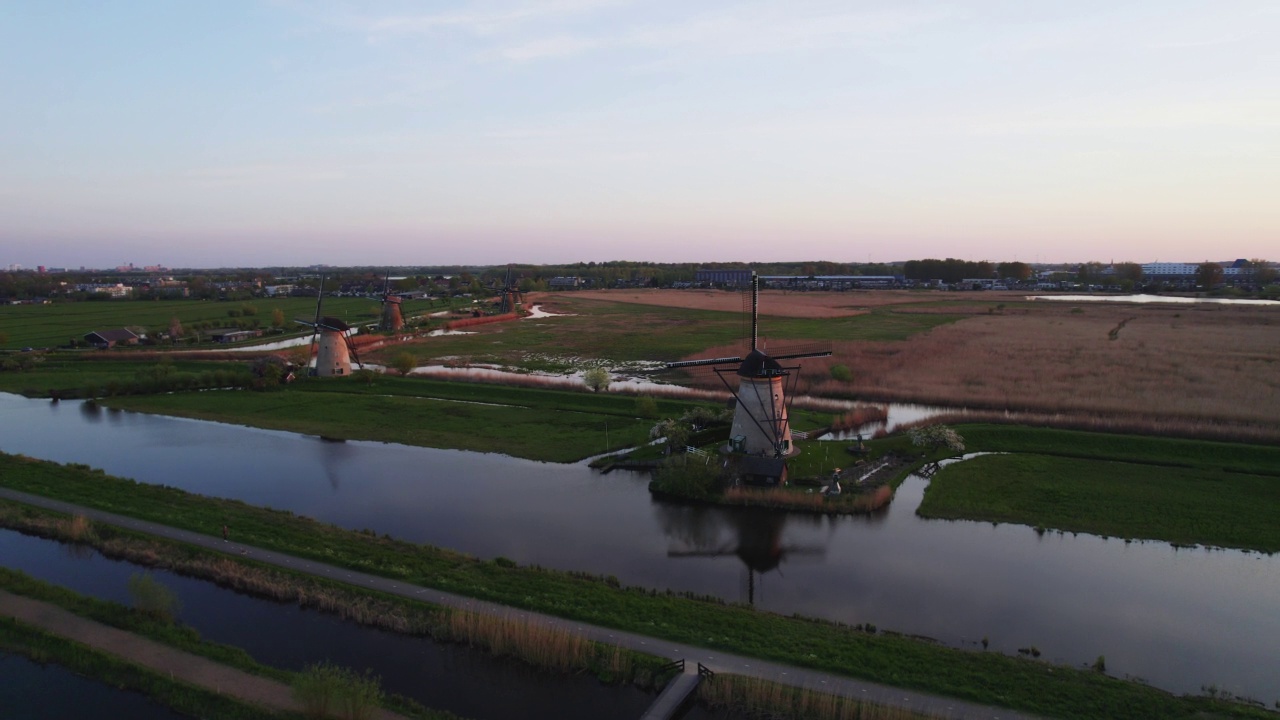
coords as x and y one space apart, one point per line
44 647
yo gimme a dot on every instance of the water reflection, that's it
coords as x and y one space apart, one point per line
753 535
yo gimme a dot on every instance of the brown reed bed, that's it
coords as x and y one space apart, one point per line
760 698
791 499
860 416
1212 370
540 645
1136 424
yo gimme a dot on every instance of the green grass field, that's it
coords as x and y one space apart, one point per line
56 324
1128 486
1202 505
548 425
73 371
623 332
1035 687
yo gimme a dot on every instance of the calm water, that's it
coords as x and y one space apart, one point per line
31 691
442 676
1169 299
1178 618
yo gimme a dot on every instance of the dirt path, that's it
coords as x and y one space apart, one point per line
161 658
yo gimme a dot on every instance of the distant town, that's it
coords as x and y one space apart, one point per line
47 284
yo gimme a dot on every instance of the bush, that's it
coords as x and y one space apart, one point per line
646 407
689 476
151 598
597 378
326 690
841 373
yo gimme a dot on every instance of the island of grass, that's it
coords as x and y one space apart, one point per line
1028 685
1187 492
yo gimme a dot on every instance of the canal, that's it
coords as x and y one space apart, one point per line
1180 619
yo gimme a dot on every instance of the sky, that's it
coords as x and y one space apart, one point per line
286 132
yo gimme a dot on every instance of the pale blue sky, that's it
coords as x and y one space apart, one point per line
291 132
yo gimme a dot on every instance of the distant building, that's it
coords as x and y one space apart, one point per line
110 338
565 283
734 278
230 335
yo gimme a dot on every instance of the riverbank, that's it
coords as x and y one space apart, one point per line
1024 684
1182 492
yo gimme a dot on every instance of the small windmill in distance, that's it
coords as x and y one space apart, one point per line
761 425
392 318
333 358
511 297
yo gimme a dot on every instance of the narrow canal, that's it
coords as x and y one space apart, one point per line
1180 619
468 682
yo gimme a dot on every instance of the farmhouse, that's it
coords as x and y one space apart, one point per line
110 338
230 335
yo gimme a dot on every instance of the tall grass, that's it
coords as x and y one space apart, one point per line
765 699
540 645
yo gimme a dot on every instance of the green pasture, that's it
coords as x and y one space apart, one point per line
74 371
56 324
623 332
1028 685
533 424
1183 505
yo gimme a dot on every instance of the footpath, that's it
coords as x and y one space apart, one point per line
179 665
720 662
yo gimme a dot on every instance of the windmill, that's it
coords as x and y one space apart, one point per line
761 432
392 319
511 297
335 349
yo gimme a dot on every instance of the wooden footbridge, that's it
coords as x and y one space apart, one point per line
679 690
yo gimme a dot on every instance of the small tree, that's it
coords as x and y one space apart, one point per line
841 373
404 363
277 318
646 407
597 378
151 598
175 329
1208 274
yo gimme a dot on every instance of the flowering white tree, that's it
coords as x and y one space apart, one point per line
936 436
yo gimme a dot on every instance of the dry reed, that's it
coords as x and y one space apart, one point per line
538 644
762 698
1208 371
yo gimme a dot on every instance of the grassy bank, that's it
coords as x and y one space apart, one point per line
1197 454
1182 505
43 647
546 425
982 677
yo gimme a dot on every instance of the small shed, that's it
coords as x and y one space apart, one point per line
230 335
762 471
110 338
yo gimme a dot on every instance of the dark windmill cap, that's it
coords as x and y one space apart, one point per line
759 365
334 323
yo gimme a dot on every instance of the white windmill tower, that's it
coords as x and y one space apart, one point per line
761 426
333 357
